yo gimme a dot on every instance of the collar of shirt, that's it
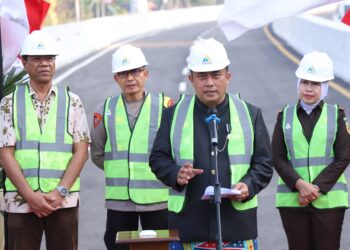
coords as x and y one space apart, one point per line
143 98
34 95
318 107
220 107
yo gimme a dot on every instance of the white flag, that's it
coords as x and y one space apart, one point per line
14 28
240 16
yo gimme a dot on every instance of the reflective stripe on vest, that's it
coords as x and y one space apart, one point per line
309 159
127 171
240 146
42 155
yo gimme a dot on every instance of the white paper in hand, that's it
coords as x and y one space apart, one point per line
225 192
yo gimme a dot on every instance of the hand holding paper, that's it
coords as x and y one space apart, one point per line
225 192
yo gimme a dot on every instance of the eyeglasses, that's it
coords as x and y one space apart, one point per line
133 72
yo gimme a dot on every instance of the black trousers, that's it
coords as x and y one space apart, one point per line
128 221
25 231
312 229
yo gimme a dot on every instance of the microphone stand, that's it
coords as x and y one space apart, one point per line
213 120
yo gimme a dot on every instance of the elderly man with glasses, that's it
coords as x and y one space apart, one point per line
125 127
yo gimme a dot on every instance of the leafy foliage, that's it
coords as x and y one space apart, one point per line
12 78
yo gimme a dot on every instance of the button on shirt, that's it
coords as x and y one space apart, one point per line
77 126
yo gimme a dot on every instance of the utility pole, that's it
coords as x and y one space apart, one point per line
138 6
77 10
98 8
103 8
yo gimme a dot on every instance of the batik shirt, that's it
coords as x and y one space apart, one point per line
77 126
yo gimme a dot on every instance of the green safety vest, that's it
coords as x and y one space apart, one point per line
309 159
240 146
126 167
42 155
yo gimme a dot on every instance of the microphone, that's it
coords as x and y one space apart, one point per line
213 121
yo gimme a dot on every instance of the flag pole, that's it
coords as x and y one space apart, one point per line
1 69
2 172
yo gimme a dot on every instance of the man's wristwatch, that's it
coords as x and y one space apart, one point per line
63 191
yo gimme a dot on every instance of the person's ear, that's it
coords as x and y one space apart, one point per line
115 77
228 75
24 62
190 77
145 74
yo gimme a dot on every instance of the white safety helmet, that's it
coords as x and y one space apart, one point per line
127 57
315 66
38 43
207 55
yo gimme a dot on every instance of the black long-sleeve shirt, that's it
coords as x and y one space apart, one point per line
197 221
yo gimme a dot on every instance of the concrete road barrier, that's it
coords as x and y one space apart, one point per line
77 40
304 33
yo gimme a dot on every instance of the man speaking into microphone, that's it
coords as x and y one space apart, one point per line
182 156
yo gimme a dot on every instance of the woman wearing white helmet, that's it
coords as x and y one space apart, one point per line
311 150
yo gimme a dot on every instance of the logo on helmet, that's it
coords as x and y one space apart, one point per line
206 60
41 45
125 61
311 70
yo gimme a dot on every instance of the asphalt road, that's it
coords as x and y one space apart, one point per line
261 74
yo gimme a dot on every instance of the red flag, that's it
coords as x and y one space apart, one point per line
36 12
346 18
